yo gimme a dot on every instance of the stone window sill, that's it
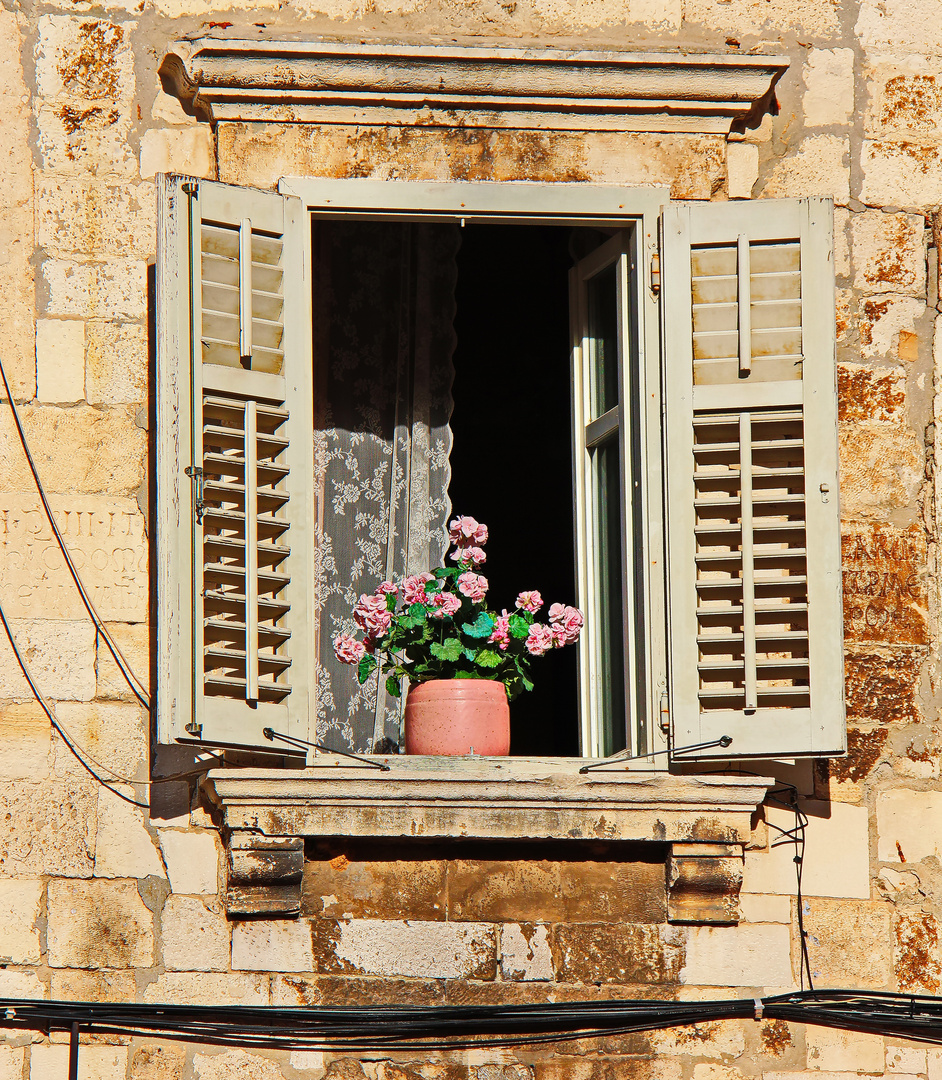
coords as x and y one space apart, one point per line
704 821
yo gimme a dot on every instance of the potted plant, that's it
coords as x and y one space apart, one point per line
463 661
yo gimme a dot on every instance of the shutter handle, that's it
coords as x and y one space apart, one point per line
194 472
824 489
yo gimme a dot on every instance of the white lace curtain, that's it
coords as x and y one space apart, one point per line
383 343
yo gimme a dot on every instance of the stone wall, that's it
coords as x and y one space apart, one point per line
103 900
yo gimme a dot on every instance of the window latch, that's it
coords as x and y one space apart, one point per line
655 273
195 473
665 713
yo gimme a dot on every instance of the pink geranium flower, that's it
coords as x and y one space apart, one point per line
348 649
530 601
384 588
567 622
473 555
445 603
500 635
464 530
413 588
473 586
539 639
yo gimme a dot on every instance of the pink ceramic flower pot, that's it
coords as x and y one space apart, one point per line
458 716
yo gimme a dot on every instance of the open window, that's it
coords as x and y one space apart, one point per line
701 482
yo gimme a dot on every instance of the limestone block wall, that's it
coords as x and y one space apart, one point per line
104 900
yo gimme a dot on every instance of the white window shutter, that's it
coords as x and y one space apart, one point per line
234 465
755 650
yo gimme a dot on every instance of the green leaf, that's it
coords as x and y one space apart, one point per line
480 628
519 625
450 649
487 658
366 667
392 686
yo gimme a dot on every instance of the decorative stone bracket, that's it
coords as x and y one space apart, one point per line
329 82
703 883
267 813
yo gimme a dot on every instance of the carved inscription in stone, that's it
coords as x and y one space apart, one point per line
885 596
105 538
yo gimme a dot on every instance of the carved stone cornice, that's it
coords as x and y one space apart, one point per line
326 82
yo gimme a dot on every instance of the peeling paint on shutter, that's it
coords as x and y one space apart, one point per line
753 525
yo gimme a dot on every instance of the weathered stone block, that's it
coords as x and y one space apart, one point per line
48 828
60 655
901 173
899 26
85 58
905 99
829 83
525 954
716 1040
765 908
76 216
112 288
194 937
93 985
865 749
297 990
849 943
124 848
742 169
60 360
424 950
86 139
886 326
190 988
235 1063
836 857
885 592
819 166
20 901
917 957
115 363
905 1059
889 253
871 395
909 825
264 874
12 1062
178 150
22 983
703 883
114 733
745 955
95 1062
373 881
843 1051
104 536
881 469
192 861
98 924
602 952
272 946
24 742
163 1061
748 16
77 451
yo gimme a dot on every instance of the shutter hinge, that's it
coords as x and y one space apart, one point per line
190 187
655 273
195 473
194 729
665 713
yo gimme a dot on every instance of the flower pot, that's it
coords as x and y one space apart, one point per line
458 716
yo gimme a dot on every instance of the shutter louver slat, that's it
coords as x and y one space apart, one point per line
754 552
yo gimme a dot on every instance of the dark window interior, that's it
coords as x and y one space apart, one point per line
512 455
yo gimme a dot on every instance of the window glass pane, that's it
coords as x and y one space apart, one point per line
603 340
610 610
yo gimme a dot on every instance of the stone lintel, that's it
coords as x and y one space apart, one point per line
329 82
703 883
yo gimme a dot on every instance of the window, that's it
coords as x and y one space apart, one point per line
704 451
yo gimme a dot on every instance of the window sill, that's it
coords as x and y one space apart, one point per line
268 813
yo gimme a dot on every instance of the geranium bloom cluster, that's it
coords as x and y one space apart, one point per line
434 625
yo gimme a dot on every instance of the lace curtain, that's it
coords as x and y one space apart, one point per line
384 305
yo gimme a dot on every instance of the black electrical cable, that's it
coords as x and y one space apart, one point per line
430 1028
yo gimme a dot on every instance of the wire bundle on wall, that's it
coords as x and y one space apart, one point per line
429 1028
